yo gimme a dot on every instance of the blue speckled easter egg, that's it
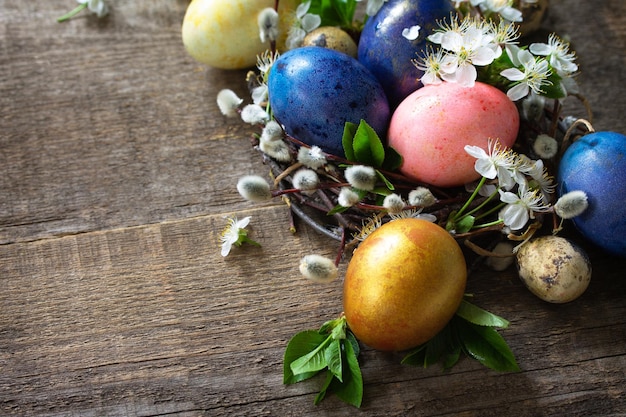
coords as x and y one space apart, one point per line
314 91
388 54
596 164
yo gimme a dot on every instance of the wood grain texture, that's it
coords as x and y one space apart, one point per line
116 170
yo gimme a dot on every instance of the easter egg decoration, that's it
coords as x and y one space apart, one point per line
333 38
554 269
388 54
314 91
431 127
596 164
403 284
225 33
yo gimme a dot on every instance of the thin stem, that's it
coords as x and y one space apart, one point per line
492 210
493 223
481 205
72 13
457 216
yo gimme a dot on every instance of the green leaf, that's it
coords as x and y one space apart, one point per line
336 210
333 358
485 344
477 315
351 389
300 345
322 394
349 130
384 179
452 358
555 89
313 361
464 224
355 343
334 12
367 146
444 347
439 346
393 160
415 357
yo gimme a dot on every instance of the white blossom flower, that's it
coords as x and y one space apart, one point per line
312 157
303 24
421 197
373 6
393 203
254 188
361 176
268 24
411 33
348 197
545 146
228 102
465 44
535 74
265 61
569 85
254 114
318 268
235 234
472 47
98 7
305 179
431 65
495 162
571 204
541 179
520 207
501 7
558 54
504 36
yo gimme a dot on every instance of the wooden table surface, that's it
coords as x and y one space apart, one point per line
116 172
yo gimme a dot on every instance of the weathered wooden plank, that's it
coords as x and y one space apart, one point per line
119 319
111 124
115 170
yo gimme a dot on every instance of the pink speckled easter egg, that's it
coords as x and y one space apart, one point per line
431 127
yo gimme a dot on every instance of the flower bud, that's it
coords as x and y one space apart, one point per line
254 188
318 268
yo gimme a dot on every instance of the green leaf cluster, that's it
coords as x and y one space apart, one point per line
334 12
333 348
471 331
362 144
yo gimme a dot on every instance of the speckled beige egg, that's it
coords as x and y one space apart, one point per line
332 38
554 269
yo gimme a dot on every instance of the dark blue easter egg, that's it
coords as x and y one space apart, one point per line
388 54
596 164
314 91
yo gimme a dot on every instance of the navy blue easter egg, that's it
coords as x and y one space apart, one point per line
314 91
596 164
388 54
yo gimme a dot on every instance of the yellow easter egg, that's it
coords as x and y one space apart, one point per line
225 33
